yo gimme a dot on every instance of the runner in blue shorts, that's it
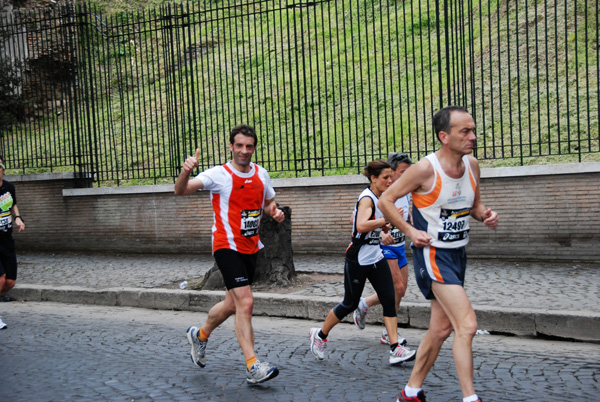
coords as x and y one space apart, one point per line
364 260
445 192
392 245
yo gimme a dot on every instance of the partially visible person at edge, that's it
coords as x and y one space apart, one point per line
9 216
364 260
392 245
445 191
240 192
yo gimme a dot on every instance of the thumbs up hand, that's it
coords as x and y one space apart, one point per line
191 162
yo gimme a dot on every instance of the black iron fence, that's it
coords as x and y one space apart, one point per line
329 85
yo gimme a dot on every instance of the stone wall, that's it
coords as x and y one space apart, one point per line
547 212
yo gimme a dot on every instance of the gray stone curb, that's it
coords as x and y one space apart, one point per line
523 322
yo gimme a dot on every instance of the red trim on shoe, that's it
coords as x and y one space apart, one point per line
419 398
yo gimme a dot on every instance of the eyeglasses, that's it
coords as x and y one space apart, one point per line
399 157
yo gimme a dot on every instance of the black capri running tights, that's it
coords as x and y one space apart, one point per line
355 276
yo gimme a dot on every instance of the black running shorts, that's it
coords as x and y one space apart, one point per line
8 263
237 268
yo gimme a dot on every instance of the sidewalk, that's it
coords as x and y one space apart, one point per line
522 298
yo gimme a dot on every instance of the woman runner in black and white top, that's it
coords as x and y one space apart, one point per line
392 245
364 260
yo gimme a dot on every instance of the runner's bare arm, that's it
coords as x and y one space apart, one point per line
20 224
365 210
416 177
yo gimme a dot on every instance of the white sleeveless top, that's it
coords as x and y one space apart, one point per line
365 246
397 234
444 211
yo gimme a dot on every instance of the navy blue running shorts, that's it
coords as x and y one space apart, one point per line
442 265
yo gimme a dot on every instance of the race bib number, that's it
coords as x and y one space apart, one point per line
455 224
397 235
250 222
375 237
5 223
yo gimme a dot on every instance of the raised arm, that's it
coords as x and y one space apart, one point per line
184 185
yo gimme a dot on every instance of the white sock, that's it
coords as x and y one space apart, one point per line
471 398
363 305
411 391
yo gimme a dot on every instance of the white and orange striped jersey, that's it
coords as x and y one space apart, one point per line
444 211
237 199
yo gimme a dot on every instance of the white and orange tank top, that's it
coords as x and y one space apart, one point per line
444 211
237 199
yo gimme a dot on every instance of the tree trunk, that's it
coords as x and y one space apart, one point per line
275 265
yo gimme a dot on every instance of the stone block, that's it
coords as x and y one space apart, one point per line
572 325
27 292
508 321
80 295
164 299
318 307
374 316
277 305
418 315
205 299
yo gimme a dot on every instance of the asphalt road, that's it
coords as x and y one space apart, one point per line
56 352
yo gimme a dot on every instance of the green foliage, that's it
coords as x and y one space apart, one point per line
11 102
330 86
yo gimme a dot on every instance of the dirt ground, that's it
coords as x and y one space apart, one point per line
301 281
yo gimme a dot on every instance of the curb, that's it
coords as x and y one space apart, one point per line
581 326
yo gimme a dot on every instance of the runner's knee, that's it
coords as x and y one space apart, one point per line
441 330
400 290
468 327
342 310
244 303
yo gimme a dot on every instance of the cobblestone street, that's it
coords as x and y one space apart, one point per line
54 351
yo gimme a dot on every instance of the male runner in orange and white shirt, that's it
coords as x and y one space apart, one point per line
240 192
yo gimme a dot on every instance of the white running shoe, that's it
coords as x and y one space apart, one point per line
261 372
198 352
2 324
385 339
317 345
360 316
401 354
